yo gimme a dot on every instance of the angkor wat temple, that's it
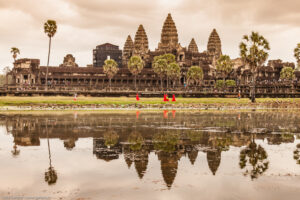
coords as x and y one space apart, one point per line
27 74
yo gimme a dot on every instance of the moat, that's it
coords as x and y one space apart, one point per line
150 155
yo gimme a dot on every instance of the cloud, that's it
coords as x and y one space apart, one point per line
83 24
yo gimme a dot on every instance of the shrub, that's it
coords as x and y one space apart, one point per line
220 84
230 83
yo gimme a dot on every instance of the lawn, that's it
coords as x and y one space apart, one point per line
62 100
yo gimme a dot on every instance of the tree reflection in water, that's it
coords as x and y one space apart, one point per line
111 138
15 152
50 174
254 160
297 154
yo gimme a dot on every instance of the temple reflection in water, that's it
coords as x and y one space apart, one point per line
169 138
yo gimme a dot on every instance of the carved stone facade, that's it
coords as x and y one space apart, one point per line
69 61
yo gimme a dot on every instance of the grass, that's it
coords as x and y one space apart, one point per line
62 100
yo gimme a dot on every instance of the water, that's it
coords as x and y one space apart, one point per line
164 155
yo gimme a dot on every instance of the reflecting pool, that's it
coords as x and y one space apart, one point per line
144 155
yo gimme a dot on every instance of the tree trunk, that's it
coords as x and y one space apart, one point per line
253 87
161 84
135 82
167 82
46 81
110 84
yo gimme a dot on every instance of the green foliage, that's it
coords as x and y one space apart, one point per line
15 51
161 64
51 176
287 73
110 68
224 65
50 28
254 50
173 71
220 84
230 83
136 65
195 74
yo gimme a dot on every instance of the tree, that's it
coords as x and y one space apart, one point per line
287 73
195 75
224 66
15 51
50 29
173 72
110 68
161 63
297 54
135 66
6 70
254 51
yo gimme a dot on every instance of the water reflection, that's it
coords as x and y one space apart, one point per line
133 137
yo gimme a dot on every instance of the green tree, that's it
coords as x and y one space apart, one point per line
110 68
135 66
50 29
254 51
287 73
297 154
173 72
297 54
195 75
136 141
15 51
111 138
160 65
224 66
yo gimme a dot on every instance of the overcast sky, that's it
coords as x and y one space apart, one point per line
84 24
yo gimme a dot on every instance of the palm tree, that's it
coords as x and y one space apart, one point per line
159 67
15 51
135 66
224 66
195 75
254 51
297 54
110 68
50 28
173 72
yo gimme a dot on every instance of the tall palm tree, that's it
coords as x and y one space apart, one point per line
159 67
254 51
297 54
50 29
195 75
135 66
110 68
287 73
224 66
15 51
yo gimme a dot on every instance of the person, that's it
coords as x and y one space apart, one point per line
239 94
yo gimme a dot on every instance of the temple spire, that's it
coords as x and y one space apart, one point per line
141 45
169 35
128 47
214 46
193 46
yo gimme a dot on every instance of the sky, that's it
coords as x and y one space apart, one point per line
84 24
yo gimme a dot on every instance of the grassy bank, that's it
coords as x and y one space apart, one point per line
59 100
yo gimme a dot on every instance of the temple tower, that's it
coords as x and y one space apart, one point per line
141 46
214 46
169 36
193 46
127 50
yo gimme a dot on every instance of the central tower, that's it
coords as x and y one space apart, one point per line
169 36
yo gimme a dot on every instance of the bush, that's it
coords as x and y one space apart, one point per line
220 84
230 83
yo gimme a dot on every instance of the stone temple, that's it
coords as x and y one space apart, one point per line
28 72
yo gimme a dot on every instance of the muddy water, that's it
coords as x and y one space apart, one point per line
164 155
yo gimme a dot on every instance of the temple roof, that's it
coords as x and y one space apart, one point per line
193 46
129 46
